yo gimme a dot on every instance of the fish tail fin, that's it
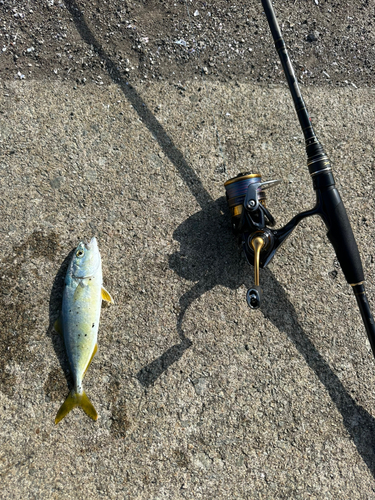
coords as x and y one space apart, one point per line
74 399
87 406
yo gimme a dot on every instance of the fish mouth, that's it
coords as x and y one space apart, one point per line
93 243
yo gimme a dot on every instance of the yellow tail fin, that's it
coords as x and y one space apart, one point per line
74 399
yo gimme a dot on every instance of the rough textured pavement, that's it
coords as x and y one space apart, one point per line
198 397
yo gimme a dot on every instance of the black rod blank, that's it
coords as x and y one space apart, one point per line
299 103
331 207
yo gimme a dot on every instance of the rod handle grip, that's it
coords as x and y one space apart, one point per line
340 234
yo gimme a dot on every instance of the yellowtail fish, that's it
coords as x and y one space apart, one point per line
79 322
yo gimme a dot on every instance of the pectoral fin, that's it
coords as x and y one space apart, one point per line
106 296
74 399
58 326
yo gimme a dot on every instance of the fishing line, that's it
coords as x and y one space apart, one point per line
221 151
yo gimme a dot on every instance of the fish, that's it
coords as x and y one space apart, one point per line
79 321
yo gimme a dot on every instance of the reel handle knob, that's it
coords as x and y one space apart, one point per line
253 296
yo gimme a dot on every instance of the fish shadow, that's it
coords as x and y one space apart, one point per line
209 256
55 303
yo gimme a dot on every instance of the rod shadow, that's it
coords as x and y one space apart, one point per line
55 303
357 421
190 178
154 126
210 256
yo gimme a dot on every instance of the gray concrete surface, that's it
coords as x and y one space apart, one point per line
198 396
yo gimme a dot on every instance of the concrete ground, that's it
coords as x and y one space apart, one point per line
198 397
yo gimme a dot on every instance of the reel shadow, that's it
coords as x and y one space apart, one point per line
202 261
210 262
54 312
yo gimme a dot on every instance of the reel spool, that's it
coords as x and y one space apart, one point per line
236 190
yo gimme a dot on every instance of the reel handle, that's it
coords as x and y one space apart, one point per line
253 294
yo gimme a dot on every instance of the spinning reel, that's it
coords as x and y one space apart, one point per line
252 222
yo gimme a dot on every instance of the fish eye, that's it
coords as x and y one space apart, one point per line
79 253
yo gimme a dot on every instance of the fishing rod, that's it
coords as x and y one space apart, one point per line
253 223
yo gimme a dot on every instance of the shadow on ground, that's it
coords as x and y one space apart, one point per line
54 387
209 256
147 117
